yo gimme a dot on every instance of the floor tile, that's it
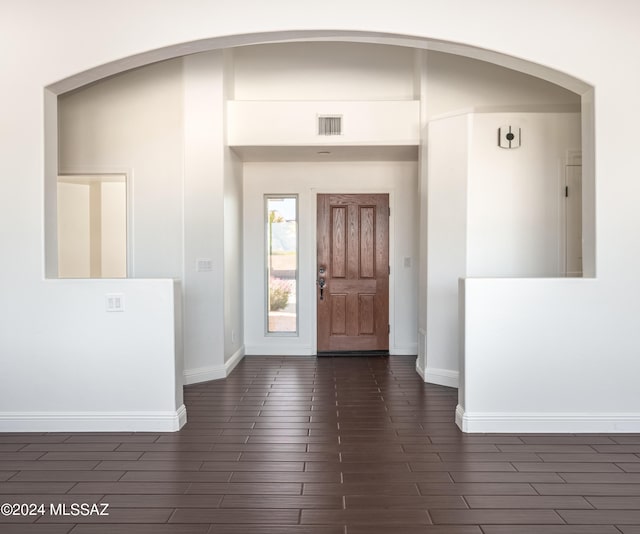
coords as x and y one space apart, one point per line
328 445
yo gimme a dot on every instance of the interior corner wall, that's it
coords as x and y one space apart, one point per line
420 76
448 169
164 126
204 209
233 260
492 212
233 234
451 84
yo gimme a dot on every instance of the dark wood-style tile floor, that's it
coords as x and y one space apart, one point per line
346 445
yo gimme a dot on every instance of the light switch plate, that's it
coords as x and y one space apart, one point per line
204 265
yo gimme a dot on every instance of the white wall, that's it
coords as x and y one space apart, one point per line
204 216
233 234
114 229
323 71
121 379
543 378
306 180
132 124
43 50
233 258
164 125
73 230
448 166
492 212
279 90
92 227
456 83
451 84
296 123
515 207
93 370
423 198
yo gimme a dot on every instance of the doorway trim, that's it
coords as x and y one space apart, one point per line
573 158
312 235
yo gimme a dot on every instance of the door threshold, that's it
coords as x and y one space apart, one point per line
353 353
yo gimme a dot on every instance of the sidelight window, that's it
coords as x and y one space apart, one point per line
281 213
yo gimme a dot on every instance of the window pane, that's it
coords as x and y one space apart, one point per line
282 264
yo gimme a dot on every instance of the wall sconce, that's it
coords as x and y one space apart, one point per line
509 137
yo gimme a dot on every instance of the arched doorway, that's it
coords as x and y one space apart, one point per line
202 372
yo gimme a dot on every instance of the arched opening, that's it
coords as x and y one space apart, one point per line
282 162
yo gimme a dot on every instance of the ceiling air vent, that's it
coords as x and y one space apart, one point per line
330 125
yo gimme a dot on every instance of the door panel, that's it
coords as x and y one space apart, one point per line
366 310
367 242
353 261
339 242
339 314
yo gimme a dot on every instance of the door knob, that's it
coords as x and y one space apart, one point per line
322 283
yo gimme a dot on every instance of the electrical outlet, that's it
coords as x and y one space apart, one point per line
114 302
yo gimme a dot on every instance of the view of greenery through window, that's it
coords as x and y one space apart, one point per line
282 264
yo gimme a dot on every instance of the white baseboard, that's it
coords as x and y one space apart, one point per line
574 423
460 418
411 350
419 369
235 359
182 416
204 374
288 350
442 377
214 372
93 421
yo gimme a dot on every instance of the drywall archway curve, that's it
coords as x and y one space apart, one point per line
525 66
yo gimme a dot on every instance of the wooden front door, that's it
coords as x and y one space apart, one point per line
353 267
